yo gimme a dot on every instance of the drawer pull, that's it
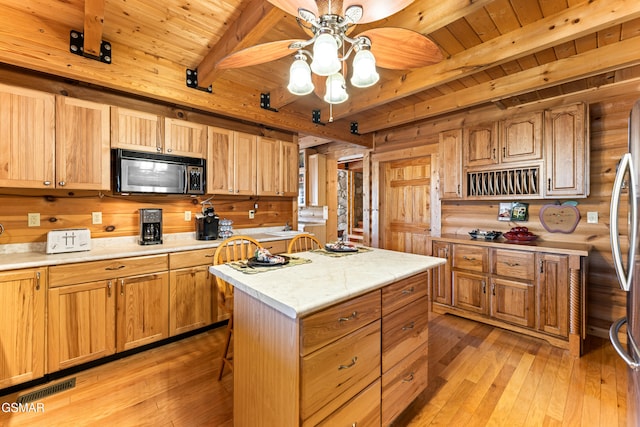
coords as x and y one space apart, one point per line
468 259
345 319
120 267
408 291
408 379
408 327
209 256
350 365
512 264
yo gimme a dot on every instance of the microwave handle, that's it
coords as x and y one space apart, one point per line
185 189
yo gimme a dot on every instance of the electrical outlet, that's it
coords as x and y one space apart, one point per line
252 214
33 219
187 215
592 217
96 217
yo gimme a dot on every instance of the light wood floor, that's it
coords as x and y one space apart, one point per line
479 375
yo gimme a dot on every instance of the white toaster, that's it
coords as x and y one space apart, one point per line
68 240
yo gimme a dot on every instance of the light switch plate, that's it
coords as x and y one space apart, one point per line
592 217
96 217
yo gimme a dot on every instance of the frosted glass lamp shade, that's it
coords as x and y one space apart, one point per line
300 78
336 92
364 69
325 56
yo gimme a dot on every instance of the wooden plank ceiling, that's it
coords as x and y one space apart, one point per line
505 52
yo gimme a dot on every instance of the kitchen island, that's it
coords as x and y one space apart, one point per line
338 339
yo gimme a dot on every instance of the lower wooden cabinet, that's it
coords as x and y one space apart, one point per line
22 329
127 306
531 289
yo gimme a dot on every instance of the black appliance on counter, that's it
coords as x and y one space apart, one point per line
207 223
150 226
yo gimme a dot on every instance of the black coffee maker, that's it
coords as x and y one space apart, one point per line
207 223
150 226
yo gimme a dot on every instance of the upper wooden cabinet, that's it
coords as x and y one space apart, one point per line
450 164
316 180
566 151
82 145
277 170
231 162
183 138
136 130
140 131
480 144
27 138
521 138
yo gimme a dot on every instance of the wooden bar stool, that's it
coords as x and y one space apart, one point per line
303 242
235 248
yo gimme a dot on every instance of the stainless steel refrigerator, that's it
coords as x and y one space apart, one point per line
626 259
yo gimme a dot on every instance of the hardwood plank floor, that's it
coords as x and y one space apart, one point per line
479 376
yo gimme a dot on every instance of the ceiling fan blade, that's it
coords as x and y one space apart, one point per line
258 54
374 10
401 49
291 6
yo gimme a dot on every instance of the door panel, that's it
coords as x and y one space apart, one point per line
406 205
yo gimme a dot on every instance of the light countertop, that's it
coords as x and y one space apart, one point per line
33 255
302 289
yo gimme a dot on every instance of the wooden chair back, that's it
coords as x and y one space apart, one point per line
235 248
303 242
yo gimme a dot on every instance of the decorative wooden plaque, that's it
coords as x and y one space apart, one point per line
559 218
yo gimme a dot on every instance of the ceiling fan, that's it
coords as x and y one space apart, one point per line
330 22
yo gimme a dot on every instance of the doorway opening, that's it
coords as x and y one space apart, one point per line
351 201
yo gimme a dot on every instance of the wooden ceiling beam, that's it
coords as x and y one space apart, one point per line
93 27
590 63
569 25
257 18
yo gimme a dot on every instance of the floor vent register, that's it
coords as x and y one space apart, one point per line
47 391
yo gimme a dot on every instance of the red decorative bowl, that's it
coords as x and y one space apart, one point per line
519 238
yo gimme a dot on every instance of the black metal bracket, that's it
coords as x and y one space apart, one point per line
191 79
265 102
354 128
315 117
76 46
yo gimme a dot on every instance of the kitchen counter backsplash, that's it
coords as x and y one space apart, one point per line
28 255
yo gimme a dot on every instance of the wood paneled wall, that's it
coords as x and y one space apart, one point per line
609 112
59 210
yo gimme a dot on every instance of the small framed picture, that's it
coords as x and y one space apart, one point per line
519 211
504 212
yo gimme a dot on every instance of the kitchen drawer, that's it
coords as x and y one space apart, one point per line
404 291
362 411
334 374
276 246
516 264
68 274
191 258
403 331
402 384
334 322
472 258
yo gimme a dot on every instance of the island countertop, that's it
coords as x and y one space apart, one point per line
303 289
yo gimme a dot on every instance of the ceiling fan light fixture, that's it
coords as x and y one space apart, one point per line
364 69
300 77
336 92
353 13
325 55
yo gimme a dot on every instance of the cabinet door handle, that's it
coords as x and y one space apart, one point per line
345 319
504 152
541 267
350 365
409 378
120 267
408 291
484 287
494 154
62 183
38 281
549 184
47 183
122 287
109 285
408 327
458 191
493 289
468 259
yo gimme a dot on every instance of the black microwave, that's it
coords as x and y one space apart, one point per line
136 172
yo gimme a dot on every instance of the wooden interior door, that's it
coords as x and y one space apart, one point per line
406 205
